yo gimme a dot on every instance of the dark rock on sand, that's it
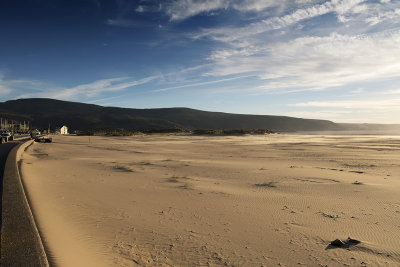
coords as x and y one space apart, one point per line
346 244
337 243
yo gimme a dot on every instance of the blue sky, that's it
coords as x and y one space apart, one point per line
336 60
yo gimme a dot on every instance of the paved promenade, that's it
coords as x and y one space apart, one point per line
20 242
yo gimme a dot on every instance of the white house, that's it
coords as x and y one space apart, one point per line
64 130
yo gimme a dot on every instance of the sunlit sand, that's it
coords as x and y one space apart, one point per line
208 201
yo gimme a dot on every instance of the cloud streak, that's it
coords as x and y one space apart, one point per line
387 104
90 90
315 62
9 87
317 57
362 110
202 83
183 9
4 87
228 35
120 22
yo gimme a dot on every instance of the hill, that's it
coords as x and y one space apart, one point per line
79 116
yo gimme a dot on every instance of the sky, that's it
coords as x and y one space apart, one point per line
337 60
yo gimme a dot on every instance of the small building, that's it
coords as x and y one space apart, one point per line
64 130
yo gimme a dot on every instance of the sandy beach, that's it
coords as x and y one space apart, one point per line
165 200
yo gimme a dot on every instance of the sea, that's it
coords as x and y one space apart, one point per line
371 132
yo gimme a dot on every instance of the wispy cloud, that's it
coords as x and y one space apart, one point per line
346 116
140 9
104 101
90 90
255 5
229 34
182 9
315 62
386 104
356 110
358 91
11 86
201 83
313 58
383 16
4 87
4 90
323 114
252 48
287 56
391 92
100 88
121 22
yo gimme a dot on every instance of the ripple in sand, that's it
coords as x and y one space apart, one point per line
267 184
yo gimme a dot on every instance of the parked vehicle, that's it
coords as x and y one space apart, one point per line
6 136
44 139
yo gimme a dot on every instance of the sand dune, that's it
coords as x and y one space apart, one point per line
210 201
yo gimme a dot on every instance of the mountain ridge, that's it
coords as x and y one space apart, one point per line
81 116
